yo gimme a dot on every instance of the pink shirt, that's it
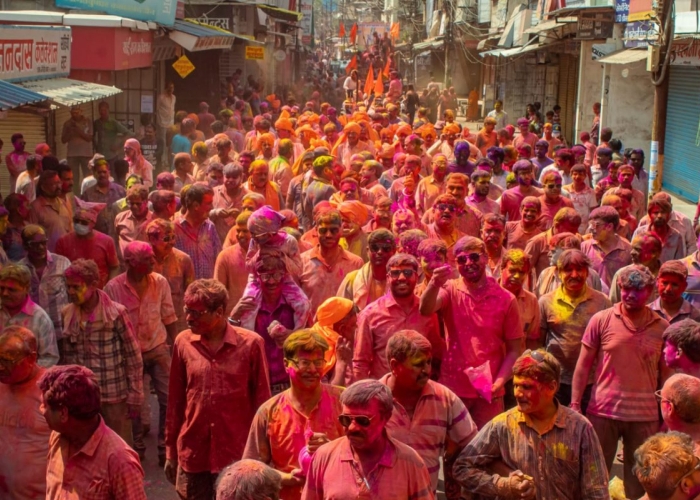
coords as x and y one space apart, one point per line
549 210
399 475
517 237
100 248
319 280
24 437
476 329
230 270
129 229
607 264
529 310
512 198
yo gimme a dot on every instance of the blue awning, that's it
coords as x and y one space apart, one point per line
195 36
14 96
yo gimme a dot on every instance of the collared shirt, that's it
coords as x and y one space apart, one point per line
477 325
319 280
281 173
439 416
53 216
24 439
627 373
129 229
177 268
107 345
34 318
518 237
673 246
231 272
687 311
680 223
377 323
150 312
564 321
99 248
427 191
512 198
106 218
345 151
399 475
566 461
277 433
606 264
105 468
538 250
206 389
202 246
488 206
165 110
549 210
49 290
283 312
223 200
584 202
529 311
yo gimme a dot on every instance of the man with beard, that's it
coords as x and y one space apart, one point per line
468 220
521 440
381 215
427 416
48 210
673 245
350 144
395 311
566 220
679 222
370 172
368 283
481 186
228 200
303 416
445 213
354 216
493 234
520 232
325 266
432 186
670 285
645 251
367 462
513 197
464 302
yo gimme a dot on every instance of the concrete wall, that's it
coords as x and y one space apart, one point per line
589 88
628 104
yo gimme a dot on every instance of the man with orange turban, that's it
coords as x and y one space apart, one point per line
336 321
354 214
446 145
266 144
349 144
259 182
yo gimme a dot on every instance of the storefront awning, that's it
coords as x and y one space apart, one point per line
550 25
67 92
195 36
13 96
515 51
290 16
430 45
626 56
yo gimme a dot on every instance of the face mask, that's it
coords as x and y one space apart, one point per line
81 230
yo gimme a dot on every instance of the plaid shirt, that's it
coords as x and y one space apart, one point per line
106 344
104 468
49 290
35 319
202 246
566 461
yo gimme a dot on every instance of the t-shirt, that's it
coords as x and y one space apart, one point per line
100 248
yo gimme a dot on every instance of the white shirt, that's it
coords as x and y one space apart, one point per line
166 110
350 84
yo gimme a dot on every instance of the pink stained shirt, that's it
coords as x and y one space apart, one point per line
224 201
549 210
607 264
231 272
24 437
105 468
400 474
627 371
129 229
99 248
529 310
517 237
319 280
149 313
427 191
512 198
178 269
377 323
476 329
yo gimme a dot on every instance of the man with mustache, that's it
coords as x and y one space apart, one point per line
512 198
670 285
367 462
427 416
303 416
545 449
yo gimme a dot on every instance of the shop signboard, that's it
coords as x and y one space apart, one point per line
686 55
183 66
254 52
33 52
158 11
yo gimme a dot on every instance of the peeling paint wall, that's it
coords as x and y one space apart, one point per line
589 88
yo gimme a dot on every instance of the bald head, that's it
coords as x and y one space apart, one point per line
683 392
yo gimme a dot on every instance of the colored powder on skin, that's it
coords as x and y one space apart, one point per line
635 280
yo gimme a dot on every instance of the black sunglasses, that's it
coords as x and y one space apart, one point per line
361 420
462 259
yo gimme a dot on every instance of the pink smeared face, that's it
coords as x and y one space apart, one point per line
305 369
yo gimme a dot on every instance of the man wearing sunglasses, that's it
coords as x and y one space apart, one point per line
548 450
395 311
668 467
368 283
303 416
552 200
467 219
446 210
474 306
367 462
218 378
626 343
679 399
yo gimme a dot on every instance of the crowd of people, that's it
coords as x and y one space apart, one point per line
341 304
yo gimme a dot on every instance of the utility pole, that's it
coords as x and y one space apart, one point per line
660 80
448 41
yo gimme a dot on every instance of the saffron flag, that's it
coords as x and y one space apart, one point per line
369 83
394 32
342 31
353 34
351 65
387 67
378 85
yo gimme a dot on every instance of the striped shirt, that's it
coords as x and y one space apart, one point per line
627 372
566 460
202 245
438 416
399 475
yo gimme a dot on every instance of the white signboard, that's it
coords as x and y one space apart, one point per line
31 52
686 55
307 11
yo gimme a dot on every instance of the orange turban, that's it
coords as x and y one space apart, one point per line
451 128
267 138
355 211
284 124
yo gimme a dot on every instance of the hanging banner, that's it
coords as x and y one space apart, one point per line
158 11
28 52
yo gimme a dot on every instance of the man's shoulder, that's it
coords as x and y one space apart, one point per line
181 256
406 454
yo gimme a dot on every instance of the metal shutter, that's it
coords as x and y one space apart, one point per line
681 174
32 126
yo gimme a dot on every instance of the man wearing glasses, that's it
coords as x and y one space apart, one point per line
539 449
607 251
626 343
668 467
552 200
218 377
397 310
482 327
679 399
366 463
303 416
444 226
